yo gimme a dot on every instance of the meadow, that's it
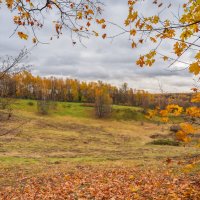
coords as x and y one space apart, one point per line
70 136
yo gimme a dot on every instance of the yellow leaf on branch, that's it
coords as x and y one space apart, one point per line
153 39
198 56
10 3
195 68
23 35
104 35
165 58
174 109
193 111
133 32
196 98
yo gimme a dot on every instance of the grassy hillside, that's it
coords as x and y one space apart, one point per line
62 108
81 110
71 136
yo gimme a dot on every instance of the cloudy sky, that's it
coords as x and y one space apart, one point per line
108 60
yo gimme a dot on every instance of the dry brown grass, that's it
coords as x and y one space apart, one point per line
49 143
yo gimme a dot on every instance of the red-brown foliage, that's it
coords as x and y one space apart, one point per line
91 183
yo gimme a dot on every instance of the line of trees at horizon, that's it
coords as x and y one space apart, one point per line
27 86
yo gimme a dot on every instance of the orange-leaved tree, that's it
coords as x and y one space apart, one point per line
76 17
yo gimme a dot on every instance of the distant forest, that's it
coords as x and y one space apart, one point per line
25 85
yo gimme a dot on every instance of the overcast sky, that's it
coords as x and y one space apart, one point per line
108 60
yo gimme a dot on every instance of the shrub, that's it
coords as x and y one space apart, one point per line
175 128
165 142
43 107
130 114
30 103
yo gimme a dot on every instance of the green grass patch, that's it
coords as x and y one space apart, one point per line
79 111
128 113
16 160
73 109
61 108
